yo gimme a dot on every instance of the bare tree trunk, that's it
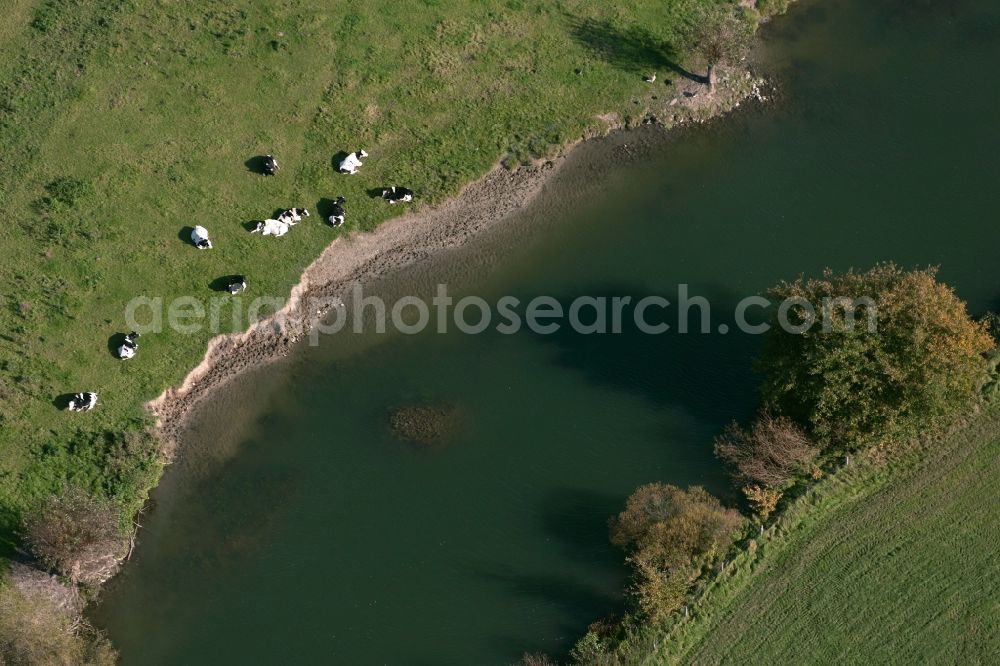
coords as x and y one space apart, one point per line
712 77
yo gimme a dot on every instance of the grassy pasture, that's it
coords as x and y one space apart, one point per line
124 121
889 562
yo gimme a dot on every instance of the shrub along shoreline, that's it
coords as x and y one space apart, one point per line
870 405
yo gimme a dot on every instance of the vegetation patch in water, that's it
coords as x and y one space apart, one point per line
424 424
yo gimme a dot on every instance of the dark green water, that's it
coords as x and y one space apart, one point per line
296 529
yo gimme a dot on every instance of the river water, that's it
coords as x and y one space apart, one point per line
295 528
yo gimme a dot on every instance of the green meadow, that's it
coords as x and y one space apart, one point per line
890 561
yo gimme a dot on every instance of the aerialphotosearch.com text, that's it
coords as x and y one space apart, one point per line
355 312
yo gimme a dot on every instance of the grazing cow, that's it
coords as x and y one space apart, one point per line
337 213
270 165
129 347
199 236
237 283
397 195
293 216
82 402
271 228
352 162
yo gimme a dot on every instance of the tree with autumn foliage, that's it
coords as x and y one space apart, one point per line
670 534
873 355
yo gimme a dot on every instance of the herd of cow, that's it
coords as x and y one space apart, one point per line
279 226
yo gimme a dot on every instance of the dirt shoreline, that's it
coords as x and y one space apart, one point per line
348 260
361 258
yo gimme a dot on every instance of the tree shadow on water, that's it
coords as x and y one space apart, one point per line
578 520
633 49
575 519
706 374
580 601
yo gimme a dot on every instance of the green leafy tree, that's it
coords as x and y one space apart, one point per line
886 353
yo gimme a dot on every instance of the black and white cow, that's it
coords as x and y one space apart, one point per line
293 216
129 347
397 194
271 228
237 283
337 212
352 162
82 402
199 236
270 165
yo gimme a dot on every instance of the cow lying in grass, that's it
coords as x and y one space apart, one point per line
293 216
237 283
270 165
199 236
397 194
129 347
271 228
82 402
337 212
279 227
352 162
